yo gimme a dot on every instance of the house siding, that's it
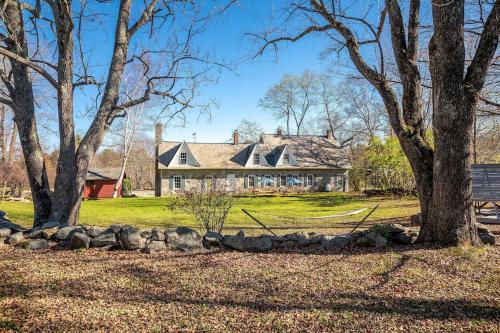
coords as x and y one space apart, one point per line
193 178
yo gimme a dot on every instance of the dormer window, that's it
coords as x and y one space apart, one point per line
183 158
286 159
256 159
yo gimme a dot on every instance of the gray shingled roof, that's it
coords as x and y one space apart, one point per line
103 174
310 151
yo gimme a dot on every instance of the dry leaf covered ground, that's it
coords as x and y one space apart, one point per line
400 290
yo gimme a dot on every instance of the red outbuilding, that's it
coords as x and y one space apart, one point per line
100 183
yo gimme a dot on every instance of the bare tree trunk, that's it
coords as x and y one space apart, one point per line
3 144
455 100
65 191
12 144
22 103
68 200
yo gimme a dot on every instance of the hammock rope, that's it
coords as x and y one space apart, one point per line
350 213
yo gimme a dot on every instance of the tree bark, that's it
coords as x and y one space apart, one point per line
454 102
22 101
3 143
66 194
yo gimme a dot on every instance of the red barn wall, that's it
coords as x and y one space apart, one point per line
95 189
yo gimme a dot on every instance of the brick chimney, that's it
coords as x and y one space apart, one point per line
236 137
158 133
329 134
279 131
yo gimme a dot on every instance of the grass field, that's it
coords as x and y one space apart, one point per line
405 289
149 212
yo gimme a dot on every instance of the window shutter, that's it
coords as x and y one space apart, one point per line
171 183
203 183
314 180
183 182
278 180
245 184
305 180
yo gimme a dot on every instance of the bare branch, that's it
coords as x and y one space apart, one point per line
30 64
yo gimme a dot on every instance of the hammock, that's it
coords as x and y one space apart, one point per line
353 212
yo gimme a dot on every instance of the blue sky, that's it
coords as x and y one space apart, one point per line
236 92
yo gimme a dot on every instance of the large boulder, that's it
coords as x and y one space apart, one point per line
93 231
367 240
485 234
212 238
155 246
146 234
336 242
37 244
388 229
66 232
131 239
157 234
104 240
34 233
184 239
5 223
405 238
5 232
15 238
248 244
79 241
49 232
380 241
310 240
114 228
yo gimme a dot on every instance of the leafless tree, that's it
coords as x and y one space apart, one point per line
292 99
249 131
184 69
442 172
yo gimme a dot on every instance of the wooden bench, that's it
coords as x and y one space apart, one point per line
486 186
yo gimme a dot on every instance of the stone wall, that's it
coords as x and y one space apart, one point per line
185 239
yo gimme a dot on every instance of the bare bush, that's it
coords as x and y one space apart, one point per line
209 206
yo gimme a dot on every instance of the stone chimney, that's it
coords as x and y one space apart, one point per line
279 131
158 133
329 134
236 137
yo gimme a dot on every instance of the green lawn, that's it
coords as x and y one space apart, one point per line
149 212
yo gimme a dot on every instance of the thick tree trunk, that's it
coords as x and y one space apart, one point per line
66 194
24 116
452 213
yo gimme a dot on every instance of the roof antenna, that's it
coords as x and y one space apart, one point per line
194 136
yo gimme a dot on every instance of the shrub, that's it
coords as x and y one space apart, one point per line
209 206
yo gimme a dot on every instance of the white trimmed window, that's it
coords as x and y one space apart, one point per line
251 181
340 181
296 177
183 158
177 182
256 159
268 181
209 181
286 159
282 180
310 180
